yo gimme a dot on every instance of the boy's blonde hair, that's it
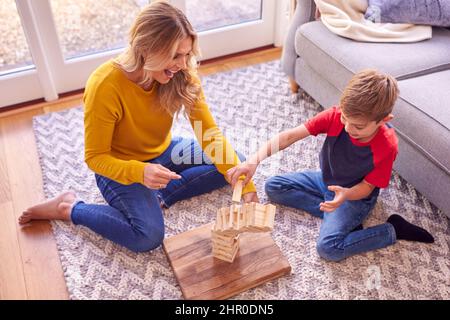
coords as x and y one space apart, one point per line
153 42
369 94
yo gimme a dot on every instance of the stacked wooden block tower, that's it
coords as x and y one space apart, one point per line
236 219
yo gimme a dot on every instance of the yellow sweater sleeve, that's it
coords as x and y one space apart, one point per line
212 141
102 111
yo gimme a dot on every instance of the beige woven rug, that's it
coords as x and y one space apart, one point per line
250 105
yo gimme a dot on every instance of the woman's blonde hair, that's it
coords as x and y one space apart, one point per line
153 42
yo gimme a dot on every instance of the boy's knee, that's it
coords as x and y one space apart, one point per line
273 187
150 240
328 250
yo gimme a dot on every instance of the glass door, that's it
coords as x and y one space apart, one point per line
82 34
230 26
19 80
67 40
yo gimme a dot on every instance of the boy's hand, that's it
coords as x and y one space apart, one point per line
340 195
250 197
246 169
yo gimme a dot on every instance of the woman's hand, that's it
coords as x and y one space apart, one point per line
246 169
157 177
250 197
340 195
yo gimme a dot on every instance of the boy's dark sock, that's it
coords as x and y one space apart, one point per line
407 231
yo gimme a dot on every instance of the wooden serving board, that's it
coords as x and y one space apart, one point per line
201 276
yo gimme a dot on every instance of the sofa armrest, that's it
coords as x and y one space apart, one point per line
304 12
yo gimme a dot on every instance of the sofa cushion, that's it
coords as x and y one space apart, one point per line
422 115
337 59
435 13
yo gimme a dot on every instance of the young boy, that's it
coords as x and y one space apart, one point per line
356 161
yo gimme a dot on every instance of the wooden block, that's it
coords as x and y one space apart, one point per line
255 229
218 223
229 233
221 240
270 216
259 218
237 191
249 217
250 214
226 240
227 258
218 236
244 214
201 276
225 250
223 244
234 216
224 218
227 247
259 206
229 255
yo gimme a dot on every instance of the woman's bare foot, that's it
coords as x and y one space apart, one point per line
57 208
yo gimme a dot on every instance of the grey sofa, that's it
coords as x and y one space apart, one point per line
322 63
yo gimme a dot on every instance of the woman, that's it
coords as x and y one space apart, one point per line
129 104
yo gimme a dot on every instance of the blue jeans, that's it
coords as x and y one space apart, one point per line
133 217
337 240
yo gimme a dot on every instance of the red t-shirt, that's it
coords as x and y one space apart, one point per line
345 161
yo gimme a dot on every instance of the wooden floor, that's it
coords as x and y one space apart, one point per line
29 263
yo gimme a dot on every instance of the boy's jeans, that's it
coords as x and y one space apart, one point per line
306 190
133 217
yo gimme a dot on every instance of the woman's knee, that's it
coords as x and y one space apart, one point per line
148 240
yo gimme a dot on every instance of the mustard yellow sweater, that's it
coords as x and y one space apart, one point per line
125 126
